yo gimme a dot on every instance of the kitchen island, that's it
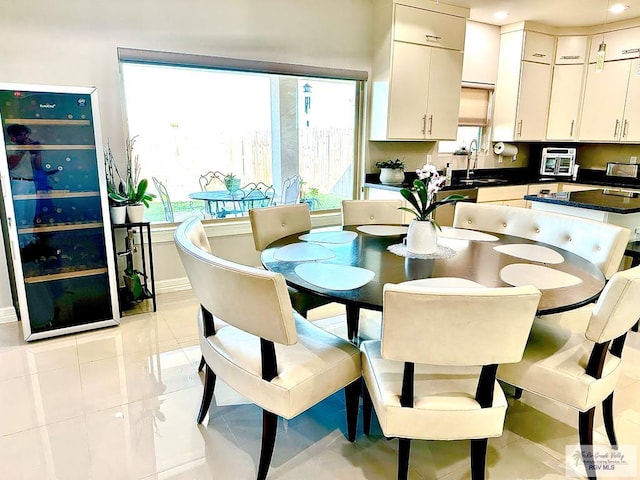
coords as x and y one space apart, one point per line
610 205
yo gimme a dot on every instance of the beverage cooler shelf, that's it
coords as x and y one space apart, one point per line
20 148
50 121
63 227
71 273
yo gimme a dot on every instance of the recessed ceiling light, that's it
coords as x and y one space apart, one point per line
500 15
618 8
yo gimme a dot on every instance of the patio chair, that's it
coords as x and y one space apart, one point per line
164 198
291 190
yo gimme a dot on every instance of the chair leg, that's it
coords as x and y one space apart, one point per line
202 364
607 413
269 430
478 458
585 430
207 395
635 326
352 398
366 409
404 450
353 321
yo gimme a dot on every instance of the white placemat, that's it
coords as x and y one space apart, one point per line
533 253
541 277
464 234
329 237
443 282
334 277
383 230
301 252
441 252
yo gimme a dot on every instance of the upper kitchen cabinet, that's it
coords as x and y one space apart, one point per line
523 86
417 70
481 50
611 108
566 87
620 44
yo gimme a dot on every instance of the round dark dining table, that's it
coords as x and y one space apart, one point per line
473 260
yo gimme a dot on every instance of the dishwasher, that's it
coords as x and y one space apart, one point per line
444 214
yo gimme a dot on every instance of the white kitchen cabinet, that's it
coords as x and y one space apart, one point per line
512 195
567 85
621 44
523 86
564 104
571 50
577 187
417 71
611 108
422 102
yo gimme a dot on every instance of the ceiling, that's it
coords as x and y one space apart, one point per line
558 13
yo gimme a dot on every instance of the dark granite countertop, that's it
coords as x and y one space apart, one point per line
608 200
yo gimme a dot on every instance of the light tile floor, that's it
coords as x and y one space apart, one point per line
120 403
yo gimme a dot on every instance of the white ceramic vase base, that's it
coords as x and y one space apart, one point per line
118 215
422 237
391 176
135 213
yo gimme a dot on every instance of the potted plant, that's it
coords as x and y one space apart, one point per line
231 182
309 195
391 171
422 235
115 189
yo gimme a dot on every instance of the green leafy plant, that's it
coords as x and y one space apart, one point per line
423 200
133 282
394 164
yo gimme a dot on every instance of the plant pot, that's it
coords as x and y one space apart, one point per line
422 237
232 184
135 213
118 214
391 176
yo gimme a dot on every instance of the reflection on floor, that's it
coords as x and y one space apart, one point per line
121 403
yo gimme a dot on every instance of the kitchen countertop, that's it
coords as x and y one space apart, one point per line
607 200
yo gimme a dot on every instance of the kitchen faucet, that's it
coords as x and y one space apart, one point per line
473 152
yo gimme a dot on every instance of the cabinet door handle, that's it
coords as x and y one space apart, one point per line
539 55
519 132
629 51
424 124
625 128
615 130
571 130
430 124
432 38
569 57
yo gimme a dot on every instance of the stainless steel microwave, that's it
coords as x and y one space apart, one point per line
557 162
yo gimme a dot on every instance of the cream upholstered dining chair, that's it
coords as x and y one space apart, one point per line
272 223
365 212
581 370
432 376
601 243
267 352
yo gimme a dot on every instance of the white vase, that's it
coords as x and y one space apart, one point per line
135 213
422 237
391 176
118 214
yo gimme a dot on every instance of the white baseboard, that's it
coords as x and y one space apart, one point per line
8 315
172 285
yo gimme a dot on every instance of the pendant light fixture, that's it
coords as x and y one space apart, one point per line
602 48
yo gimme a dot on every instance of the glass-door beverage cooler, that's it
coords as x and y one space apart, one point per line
55 218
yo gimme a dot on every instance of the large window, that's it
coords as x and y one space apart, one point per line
260 127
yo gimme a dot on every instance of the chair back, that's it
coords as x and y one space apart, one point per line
363 212
271 223
618 307
457 326
164 198
211 181
291 190
601 243
258 194
251 299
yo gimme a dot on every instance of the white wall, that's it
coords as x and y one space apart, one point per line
74 42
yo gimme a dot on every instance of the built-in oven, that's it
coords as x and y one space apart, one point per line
557 162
